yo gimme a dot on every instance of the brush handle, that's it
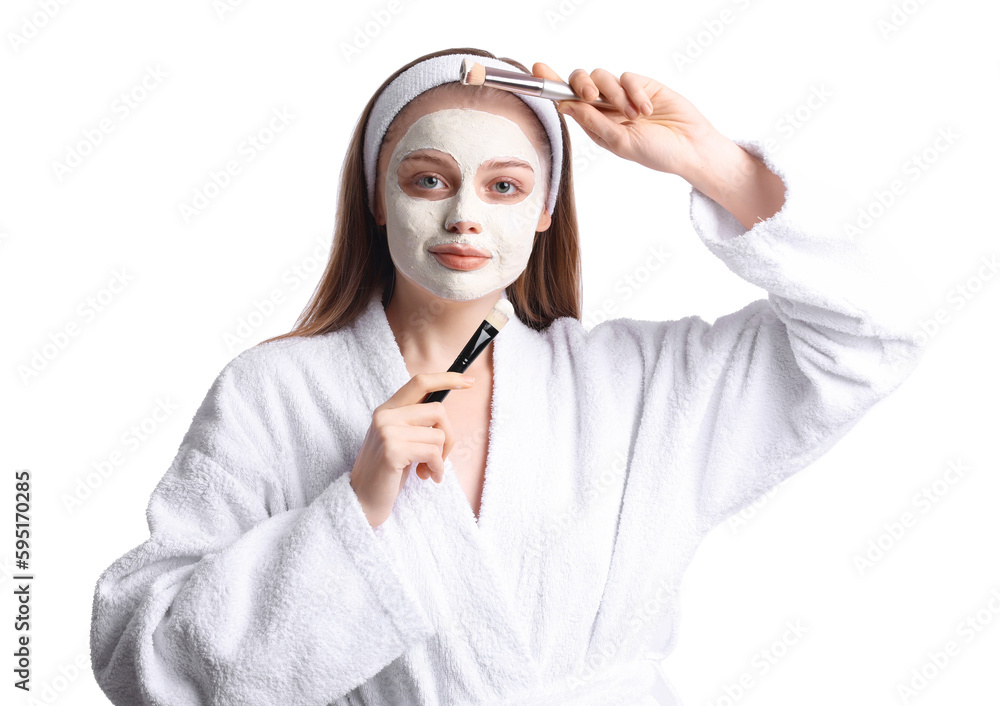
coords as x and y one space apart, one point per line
518 82
476 345
559 91
439 395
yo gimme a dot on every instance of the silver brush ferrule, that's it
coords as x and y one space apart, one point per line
518 82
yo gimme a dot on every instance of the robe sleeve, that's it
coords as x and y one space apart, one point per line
736 406
235 599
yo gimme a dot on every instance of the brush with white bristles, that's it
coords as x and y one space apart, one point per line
500 314
475 74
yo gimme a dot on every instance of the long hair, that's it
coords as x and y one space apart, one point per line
360 264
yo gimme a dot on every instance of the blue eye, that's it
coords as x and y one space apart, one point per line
433 178
512 188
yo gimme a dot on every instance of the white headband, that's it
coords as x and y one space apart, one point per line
433 72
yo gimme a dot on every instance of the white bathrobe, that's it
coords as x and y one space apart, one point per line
611 454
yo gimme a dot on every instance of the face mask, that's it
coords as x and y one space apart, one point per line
506 230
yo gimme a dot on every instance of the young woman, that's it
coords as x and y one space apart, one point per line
537 549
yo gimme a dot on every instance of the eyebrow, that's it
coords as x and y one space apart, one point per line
508 163
494 163
427 157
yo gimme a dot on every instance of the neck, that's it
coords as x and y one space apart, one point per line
432 331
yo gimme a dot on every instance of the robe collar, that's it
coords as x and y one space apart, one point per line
380 351
483 561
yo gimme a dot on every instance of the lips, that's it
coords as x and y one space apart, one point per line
461 249
460 256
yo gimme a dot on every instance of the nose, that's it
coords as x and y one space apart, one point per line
459 218
464 227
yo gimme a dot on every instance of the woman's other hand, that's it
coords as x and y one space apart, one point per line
661 129
404 430
653 126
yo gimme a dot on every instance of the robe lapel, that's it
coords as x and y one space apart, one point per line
462 569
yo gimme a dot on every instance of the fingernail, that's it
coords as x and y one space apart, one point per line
647 108
565 109
468 378
590 93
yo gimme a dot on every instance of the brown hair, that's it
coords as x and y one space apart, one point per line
360 264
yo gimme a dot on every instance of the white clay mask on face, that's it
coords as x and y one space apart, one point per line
436 198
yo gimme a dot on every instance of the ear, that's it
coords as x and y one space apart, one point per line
544 221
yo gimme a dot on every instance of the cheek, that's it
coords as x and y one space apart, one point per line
521 219
411 217
514 230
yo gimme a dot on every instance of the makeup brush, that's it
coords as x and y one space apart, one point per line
500 314
475 74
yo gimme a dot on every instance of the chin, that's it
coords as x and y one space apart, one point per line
458 286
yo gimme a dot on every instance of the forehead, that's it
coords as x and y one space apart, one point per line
471 136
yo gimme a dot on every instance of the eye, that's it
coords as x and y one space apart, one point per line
507 187
422 181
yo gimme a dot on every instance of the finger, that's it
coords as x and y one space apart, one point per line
543 70
420 435
429 472
417 418
421 453
421 384
601 129
583 85
424 472
430 455
422 414
613 91
635 86
449 440
596 138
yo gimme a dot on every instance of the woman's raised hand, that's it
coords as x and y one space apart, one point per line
653 126
404 430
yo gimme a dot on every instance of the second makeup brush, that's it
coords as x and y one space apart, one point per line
500 314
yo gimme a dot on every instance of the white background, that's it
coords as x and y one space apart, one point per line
163 338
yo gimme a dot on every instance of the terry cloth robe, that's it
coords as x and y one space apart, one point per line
611 453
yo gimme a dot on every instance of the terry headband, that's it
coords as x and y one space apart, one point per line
433 72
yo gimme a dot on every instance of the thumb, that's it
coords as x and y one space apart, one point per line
598 126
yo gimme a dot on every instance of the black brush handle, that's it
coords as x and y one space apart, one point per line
476 345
